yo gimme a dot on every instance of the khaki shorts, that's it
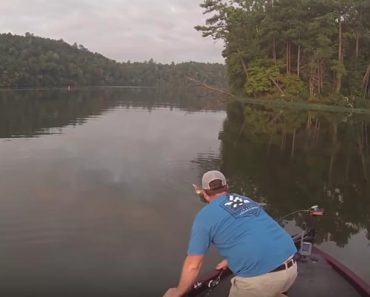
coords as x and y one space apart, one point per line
267 285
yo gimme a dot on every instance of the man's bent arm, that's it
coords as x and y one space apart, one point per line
190 272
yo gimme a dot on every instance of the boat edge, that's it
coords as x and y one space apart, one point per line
355 280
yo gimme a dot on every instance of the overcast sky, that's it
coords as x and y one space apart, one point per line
135 30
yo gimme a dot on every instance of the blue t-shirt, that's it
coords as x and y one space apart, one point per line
244 234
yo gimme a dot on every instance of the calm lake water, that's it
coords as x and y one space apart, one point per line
96 196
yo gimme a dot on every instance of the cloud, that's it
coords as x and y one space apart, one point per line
119 29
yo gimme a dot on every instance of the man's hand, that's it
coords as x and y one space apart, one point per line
173 292
222 265
189 274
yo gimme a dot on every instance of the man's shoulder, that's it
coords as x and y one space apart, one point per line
205 212
209 212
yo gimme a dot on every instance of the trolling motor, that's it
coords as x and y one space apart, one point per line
304 241
305 250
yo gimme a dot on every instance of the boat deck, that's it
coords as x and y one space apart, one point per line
315 278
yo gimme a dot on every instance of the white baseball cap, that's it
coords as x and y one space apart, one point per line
213 180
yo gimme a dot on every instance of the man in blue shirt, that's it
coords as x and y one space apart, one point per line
255 247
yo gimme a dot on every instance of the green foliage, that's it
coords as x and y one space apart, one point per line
292 86
235 73
260 79
266 79
339 67
324 43
29 61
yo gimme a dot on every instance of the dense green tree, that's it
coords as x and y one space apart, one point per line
323 43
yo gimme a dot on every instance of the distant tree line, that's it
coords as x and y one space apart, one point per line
316 49
30 61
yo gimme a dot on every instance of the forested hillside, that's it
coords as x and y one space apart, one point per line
316 49
30 61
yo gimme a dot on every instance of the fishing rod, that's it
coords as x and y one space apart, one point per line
309 210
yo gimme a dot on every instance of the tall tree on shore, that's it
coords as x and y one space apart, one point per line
324 43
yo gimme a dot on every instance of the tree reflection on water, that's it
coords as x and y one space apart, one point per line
34 112
294 159
288 159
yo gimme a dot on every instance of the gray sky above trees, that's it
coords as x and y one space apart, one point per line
135 30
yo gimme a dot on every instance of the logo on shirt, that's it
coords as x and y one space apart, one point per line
240 206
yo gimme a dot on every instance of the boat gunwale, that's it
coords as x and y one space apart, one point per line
354 280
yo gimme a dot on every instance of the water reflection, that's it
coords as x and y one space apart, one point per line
39 112
294 159
101 200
